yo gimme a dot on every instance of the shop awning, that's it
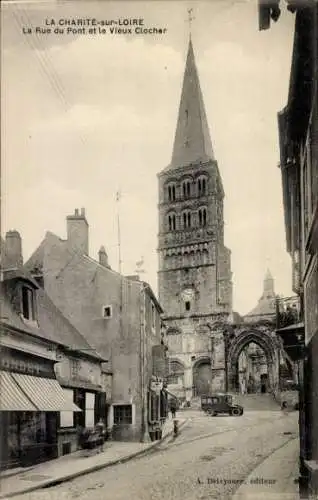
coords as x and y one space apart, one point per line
45 393
11 396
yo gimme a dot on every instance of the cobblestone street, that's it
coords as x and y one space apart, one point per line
209 460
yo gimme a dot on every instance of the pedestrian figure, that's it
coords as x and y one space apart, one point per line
284 407
100 429
173 408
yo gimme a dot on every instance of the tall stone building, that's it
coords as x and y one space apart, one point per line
194 277
117 315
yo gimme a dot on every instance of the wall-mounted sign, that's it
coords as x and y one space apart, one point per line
156 384
21 362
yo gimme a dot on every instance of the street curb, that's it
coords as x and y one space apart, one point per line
94 468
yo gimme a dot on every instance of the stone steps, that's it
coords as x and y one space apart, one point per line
257 402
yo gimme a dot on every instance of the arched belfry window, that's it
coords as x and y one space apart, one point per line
172 222
202 186
202 217
171 192
186 219
186 189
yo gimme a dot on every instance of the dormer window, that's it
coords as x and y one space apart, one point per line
28 303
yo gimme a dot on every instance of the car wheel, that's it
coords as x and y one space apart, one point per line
236 412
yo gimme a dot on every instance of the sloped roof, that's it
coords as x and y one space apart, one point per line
152 295
192 141
53 326
65 255
266 307
21 274
37 258
59 329
263 310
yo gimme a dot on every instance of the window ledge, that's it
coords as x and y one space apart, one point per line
30 322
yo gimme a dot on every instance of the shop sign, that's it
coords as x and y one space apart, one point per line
159 361
156 385
22 363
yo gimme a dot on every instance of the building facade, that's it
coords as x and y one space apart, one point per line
118 315
45 358
194 277
298 134
29 421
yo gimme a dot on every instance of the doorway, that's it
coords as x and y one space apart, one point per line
202 377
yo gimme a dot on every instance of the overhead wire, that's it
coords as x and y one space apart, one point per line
45 61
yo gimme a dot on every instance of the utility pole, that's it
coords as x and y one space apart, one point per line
143 388
118 197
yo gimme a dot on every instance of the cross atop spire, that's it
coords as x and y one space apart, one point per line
189 20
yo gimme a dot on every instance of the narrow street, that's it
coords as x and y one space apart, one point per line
209 460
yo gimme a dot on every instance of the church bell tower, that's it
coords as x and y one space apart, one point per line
194 277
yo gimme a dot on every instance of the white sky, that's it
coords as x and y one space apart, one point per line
85 115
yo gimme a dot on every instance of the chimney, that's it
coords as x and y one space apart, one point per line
77 231
103 257
13 250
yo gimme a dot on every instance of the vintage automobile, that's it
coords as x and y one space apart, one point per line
220 403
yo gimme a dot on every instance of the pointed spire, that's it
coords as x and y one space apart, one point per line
192 139
268 290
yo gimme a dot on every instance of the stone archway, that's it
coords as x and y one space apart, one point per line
266 342
176 372
202 376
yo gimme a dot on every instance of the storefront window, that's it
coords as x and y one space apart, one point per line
32 428
13 436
